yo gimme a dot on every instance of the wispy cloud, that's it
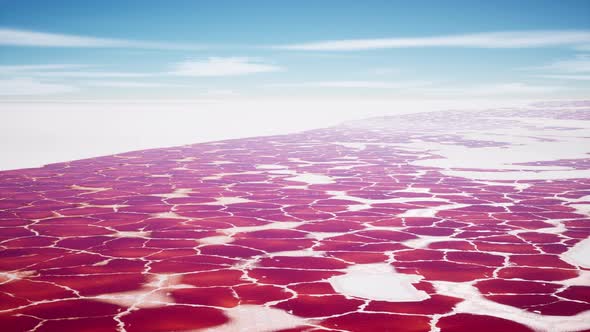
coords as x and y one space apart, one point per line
133 84
384 71
581 63
577 68
567 77
508 89
65 71
355 84
17 37
516 88
11 69
220 93
214 66
27 86
91 74
505 39
420 89
231 66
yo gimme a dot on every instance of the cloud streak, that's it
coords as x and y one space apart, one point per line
505 39
133 84
91 74
581 63
355 84
230 66
39 67
211 67
566 77
27 86
575 69
16 37
506 89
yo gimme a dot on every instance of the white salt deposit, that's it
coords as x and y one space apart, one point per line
415 190
228 233
270 225
167 215
85 128
9 276
378 282
424 241
185 159
352 145
151 295
228 201
219 176
582 208
253 318
430 211
90 189
297 253
220 239
270 166
517 185
324 235
522 175
475 303
365 203
311 178
530 140
137 234
579 254
177 193
283 172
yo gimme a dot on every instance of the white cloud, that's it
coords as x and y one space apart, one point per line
220 93
421 89
507 39
27 86
513 88
355 84
384 71
65 70
581 63
16 37
577 69
132 84
214 66
509 89
231 66
26 68
92 74
567 77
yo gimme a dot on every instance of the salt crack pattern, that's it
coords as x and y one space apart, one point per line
349 228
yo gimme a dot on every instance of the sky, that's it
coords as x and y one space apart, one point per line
187 50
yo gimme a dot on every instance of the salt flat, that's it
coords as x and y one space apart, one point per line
442 221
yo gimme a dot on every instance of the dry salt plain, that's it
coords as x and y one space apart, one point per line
447 221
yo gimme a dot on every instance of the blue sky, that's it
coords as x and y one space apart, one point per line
232 49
